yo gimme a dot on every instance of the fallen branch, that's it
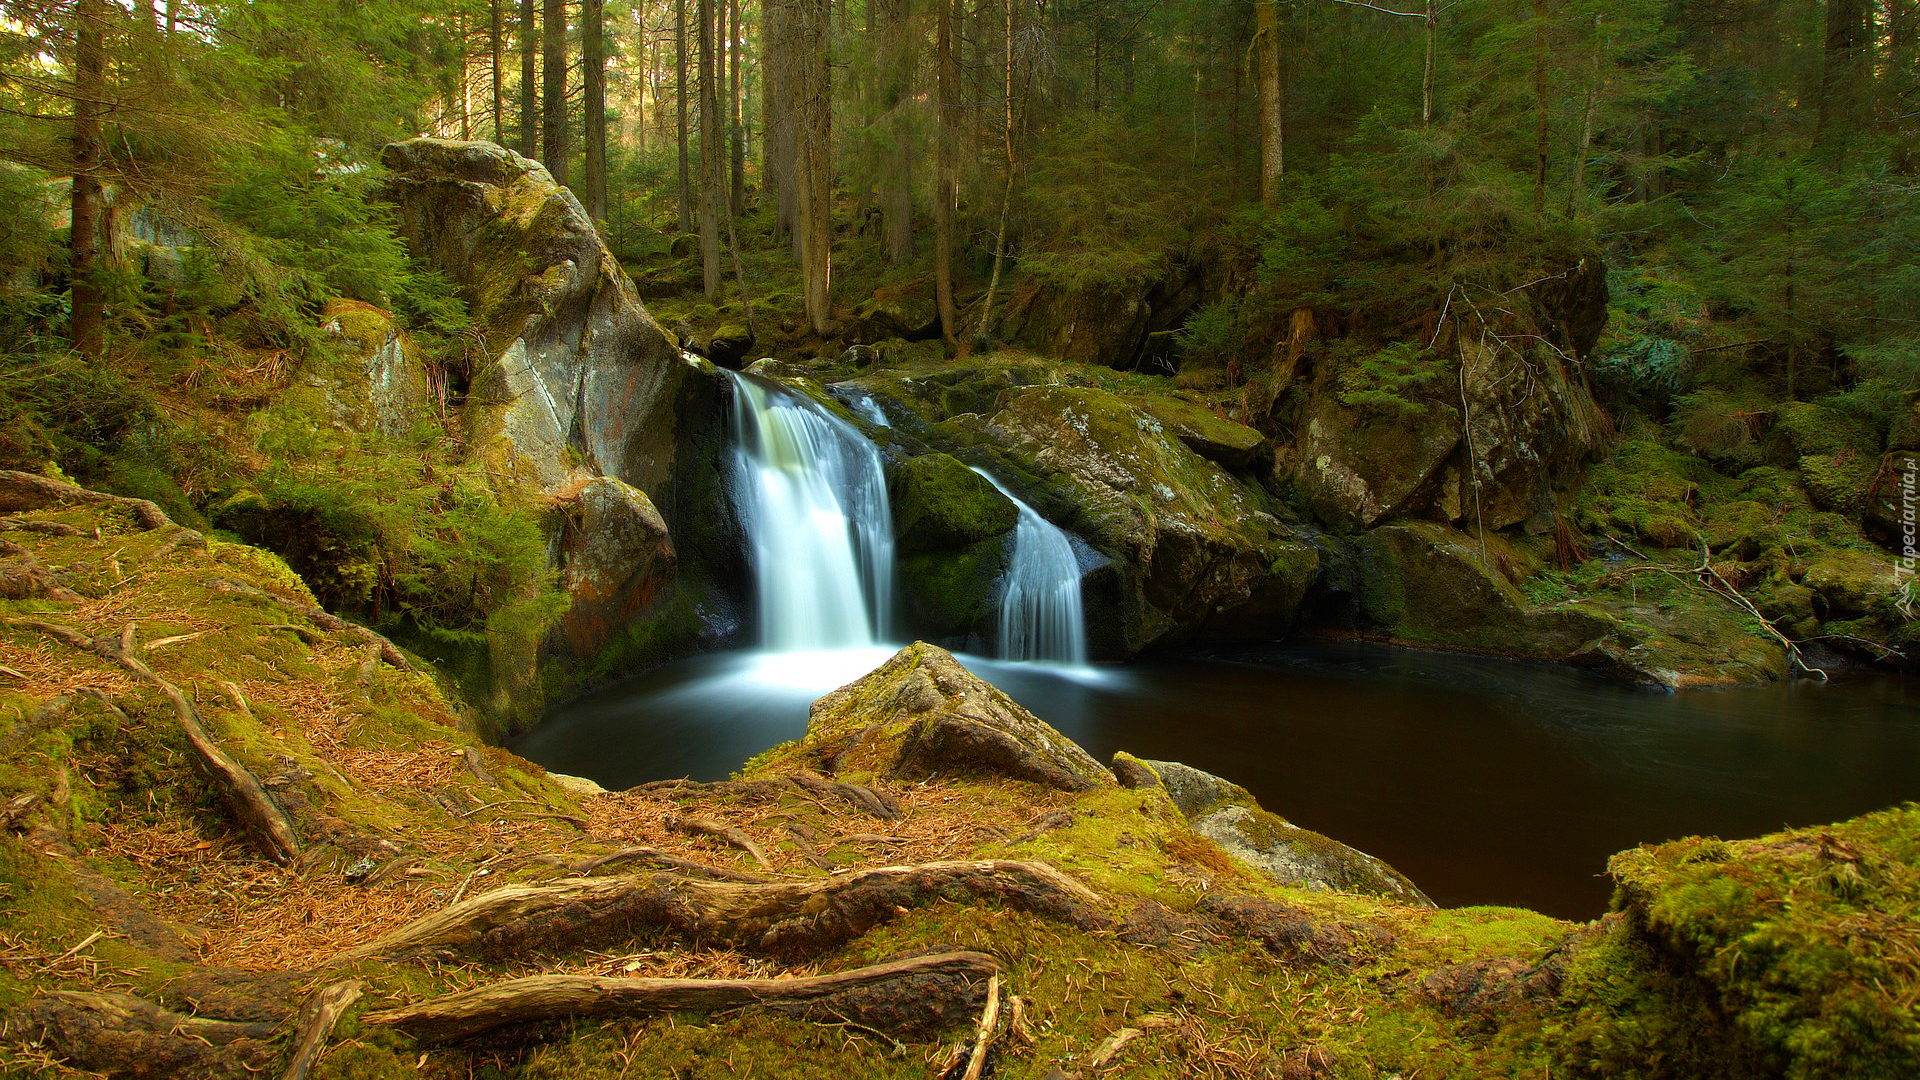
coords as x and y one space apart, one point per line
26 491
317 1018
1110 1049
906 997
983 1038
266 825
787 920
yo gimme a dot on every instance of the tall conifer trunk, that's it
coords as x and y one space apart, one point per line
815 162
529 80
895 27
680 103
947 197
736 134
593 59
87 322
1272 114
553 88
712 151
496 50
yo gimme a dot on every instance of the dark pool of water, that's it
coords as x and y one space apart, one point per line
1487 782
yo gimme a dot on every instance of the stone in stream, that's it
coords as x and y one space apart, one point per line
1228 814
922 715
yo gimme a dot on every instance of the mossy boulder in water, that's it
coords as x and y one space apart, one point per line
951 527
1228 814
1197 550
922 715
939 504
1424 583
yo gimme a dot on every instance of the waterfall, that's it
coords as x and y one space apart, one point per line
1040 612
812 498
863 403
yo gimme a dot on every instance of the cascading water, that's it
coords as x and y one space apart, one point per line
812 499
1040 612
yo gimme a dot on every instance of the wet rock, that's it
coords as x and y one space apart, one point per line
939 504
618 562
1228 814
1197 551
922 715
1233 446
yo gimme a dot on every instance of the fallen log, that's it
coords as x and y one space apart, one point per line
906 998
786 920
266 825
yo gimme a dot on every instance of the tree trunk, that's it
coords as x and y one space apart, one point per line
776 116
1595 84
593 58
712 151
1426 72
815 166
680 103
896 185
87 323
1006 196
736 134
529 81
496 50
1540 107
553 88
947 198
1846 69
1272 118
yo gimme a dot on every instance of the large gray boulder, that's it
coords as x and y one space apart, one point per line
576 375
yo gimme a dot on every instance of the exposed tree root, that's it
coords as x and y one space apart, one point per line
131 1037
724 833
905 998
49 713
317 1018
24 577
787 920
475 764
115 906
864 798
50 528
183 537
320 617
658 859
26 491
266 825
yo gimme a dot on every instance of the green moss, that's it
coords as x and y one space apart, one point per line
1644 492
939 504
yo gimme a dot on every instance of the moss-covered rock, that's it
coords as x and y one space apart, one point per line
1356 468
1232 445
939 504
1228 814
575 372
1428 584
1643 490
1791 956
618 562
382 387
922 715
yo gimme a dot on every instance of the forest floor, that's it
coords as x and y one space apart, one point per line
148 932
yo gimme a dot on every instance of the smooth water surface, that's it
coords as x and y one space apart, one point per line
1487 782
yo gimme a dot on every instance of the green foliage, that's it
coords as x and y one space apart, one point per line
1214 332
1101 223
1389 381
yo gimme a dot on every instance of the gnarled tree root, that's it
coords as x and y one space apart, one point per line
130 1037
320 617
787 920
866 799
26 491
317 1018
266 825
906 998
